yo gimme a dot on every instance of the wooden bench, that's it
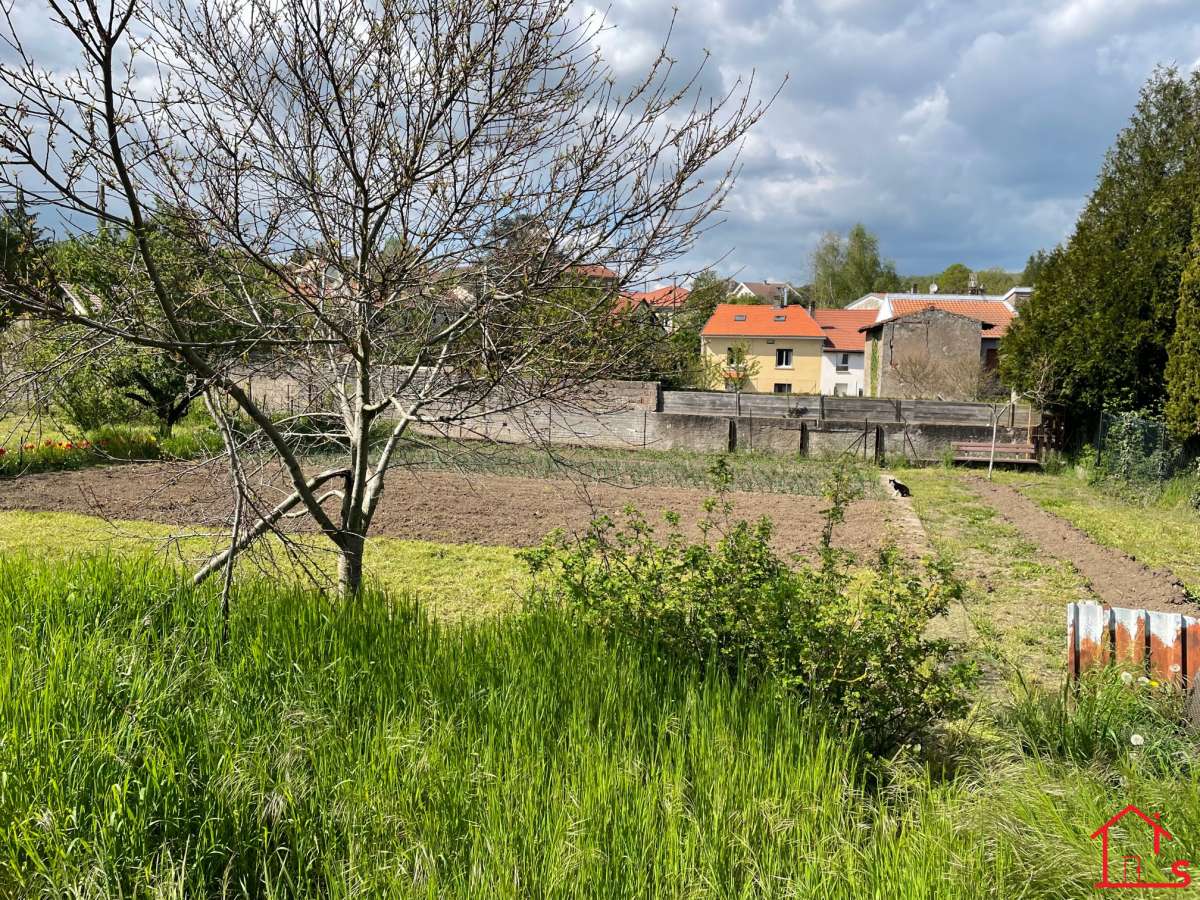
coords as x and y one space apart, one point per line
1008 454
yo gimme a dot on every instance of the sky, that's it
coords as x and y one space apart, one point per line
957 130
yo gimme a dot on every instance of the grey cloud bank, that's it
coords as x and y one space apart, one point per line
959 130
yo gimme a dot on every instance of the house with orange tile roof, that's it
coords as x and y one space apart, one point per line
663 302
842 360
783 346
993 314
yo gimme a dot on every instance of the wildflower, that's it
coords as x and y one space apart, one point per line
1143 680
1137 740
29 446
1127 677
49 442
2 451
1153 683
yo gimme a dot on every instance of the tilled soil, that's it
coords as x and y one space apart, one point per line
443 506
1114 577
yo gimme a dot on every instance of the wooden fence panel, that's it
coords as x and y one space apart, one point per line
1166 646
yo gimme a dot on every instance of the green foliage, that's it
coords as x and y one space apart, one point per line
954 279
1182 410
23 248
83 376
844 269
1032 275
369 752
1110 717
1137 455
683 366
849 640
1105 306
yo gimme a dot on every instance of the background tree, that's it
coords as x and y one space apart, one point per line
1034 267
996 280
685 365
1105 306
1183 354
954 279
386 142
843 269
23 247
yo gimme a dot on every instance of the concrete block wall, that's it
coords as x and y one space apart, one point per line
627 416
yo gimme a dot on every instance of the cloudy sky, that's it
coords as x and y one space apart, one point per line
958 130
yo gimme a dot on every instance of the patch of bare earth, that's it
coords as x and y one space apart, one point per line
445 507
1114 577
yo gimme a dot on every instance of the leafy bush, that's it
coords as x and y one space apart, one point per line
850 639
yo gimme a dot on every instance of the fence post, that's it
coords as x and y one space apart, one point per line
879 445
820 408
803 438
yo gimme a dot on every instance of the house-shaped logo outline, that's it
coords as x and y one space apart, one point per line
1179 868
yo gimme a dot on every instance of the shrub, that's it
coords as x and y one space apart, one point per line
849 639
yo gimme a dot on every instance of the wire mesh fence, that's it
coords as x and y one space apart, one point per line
1138 449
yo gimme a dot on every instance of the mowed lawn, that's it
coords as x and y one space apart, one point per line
1161 536
451 581
1011 614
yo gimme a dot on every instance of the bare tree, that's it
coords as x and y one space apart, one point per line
351 173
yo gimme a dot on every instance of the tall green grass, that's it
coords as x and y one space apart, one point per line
342 751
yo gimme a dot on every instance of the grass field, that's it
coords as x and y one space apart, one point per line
1012 614
364 751
1163 535
452 581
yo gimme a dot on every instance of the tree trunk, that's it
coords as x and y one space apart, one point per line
350 565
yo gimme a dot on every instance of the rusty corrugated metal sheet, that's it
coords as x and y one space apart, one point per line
1165 645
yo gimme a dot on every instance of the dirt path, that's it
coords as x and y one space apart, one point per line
442 506
1116 578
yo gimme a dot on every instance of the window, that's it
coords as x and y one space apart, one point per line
781 388
781 318
783 359
740 317
839 389
843 364
729 355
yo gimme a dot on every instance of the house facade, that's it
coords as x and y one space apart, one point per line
663 303
778 349
842 357
929 353
993 314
